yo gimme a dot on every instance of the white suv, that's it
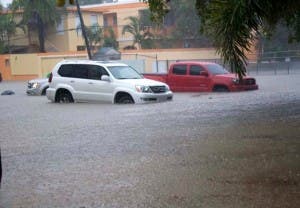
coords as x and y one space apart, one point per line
85 80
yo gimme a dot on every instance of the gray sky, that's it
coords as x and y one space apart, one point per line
5 2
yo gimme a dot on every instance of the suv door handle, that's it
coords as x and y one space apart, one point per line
90 83
72 81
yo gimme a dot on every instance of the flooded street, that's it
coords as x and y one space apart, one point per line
200 150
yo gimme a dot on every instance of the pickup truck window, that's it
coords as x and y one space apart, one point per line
124 72
196 70
216 69
180 69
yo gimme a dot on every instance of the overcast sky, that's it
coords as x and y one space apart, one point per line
5 2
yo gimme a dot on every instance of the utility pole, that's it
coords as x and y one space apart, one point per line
61 3
83 30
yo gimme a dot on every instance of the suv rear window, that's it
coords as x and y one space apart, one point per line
66 70
82 71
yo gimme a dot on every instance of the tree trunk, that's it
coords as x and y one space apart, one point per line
41 30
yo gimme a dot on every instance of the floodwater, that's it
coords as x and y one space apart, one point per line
200 150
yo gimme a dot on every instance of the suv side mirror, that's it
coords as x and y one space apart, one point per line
204 73
105 78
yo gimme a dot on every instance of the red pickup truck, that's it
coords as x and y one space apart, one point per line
202 77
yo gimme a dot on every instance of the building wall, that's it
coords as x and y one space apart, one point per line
74 38
29 66
58 40
158 60
5 67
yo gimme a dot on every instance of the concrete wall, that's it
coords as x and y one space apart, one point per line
28 66
158 60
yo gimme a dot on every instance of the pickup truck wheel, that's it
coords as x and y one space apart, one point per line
220 89
64 97
125 99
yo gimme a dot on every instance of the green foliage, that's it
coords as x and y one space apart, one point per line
37 14
140 37
7 29
234 24
94 35
187 21
110 39
158 8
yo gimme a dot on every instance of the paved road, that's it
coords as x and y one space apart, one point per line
200 150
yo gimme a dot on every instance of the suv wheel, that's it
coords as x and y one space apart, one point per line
64 96
125 99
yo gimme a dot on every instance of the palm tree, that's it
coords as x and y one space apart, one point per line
139 36
110 39
94 35
37 14
7 28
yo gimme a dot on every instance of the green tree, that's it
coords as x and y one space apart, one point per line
94 35
110 39
233 25
186 20
7 29
38 15
139 36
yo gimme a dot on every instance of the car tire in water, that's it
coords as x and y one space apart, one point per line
125 99
64 97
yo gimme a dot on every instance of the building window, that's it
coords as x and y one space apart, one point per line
115 20
80 48
94 19
105 21
7 63
60 27
94 23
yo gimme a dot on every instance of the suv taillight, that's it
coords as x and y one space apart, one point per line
50 77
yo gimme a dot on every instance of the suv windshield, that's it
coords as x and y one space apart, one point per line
124 72
216 69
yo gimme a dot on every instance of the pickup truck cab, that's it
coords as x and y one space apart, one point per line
85 80
202 77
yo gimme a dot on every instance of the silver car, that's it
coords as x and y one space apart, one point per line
37 86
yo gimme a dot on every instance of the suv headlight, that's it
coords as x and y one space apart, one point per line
35 85
235 80
144 89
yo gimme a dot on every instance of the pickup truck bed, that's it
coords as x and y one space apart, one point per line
158 77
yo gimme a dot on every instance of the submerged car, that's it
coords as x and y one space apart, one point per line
37 86
85 80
